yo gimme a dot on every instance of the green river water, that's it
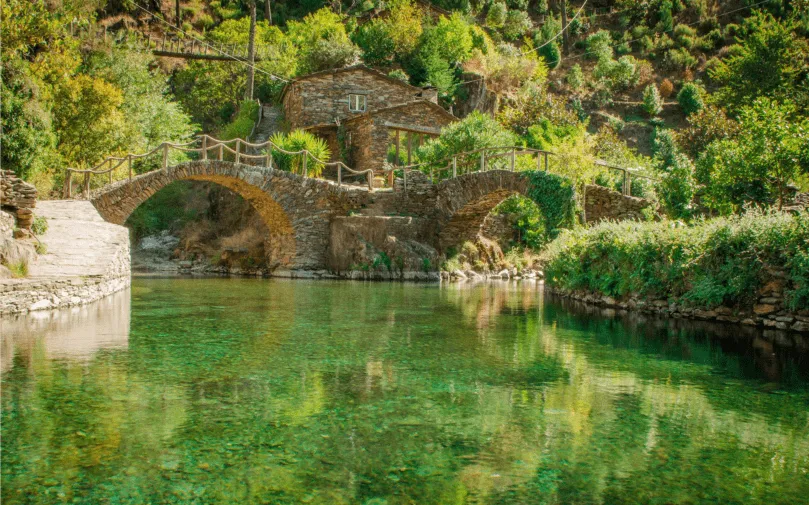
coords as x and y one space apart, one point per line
246 391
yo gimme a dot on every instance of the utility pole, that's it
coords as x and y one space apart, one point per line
565 40
267 12
251 52
177 20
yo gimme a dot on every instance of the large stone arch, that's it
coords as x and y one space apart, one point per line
296 210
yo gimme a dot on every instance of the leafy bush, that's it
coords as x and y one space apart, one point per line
517 24
652 103
709 263
39 226
242 124
599 45
666 88
679 59
496 16
685 36
322 41
399 74
575 77
299 140
690 98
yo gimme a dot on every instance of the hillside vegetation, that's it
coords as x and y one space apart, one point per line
710 98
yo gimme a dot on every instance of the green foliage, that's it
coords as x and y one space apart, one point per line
679 59
575 77
299 140
242 124
19 269
546 135
767 61
709 263
619 75
531 105
165 210
599 45
382 260
652 102
475 131
496 16
526 219
39 226
548 48
399 74
322 41
690 98
375 42
554 195
516 25
769 150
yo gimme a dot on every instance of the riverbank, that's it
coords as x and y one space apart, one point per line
82 259
752 269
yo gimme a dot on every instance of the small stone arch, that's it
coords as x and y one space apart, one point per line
296 210
464 202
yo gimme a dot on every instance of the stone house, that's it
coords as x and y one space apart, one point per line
366 117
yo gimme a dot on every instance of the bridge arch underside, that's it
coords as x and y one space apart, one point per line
466 201
289 221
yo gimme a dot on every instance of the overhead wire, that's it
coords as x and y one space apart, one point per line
206 44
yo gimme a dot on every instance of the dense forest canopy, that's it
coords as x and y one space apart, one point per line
712 98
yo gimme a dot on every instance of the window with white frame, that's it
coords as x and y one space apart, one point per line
356 103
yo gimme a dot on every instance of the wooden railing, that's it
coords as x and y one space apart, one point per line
220 147
447 168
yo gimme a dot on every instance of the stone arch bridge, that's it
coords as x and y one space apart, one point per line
312 221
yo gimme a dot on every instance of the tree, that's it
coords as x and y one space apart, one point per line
769 151
322 41
690 98
768 60
251 52
652 103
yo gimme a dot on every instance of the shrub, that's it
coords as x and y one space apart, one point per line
299 140
679 59
19 269
652 103
666 88
709 263
399 74
496 16
599 45
39 226
690 98
517 23
685 36
575 77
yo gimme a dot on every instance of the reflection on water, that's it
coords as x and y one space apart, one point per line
73 333
251 391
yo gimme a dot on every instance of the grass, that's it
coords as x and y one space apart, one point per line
18 269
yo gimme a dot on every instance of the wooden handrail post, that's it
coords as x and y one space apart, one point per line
221 152
454 167
404 178
269 157
370 177
546 162
238 151
539 161
87 185
110 172
513 158
305 162
627 183
165 155
339 175
482 161
129 162
69 184
204 147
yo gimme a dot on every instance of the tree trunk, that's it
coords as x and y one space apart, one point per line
251 53
565 40
267 11
177 19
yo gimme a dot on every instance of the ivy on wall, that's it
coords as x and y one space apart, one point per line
555 197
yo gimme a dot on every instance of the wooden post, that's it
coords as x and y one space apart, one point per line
546 162
370 177
339 174
409 148
627 183
539 162
513 157
305 160
165 155
110 172
454 167
238 151
69 184
404 179
269 157
397 148
204 147
129 162
87 185
482 161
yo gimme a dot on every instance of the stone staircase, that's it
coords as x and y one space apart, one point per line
270 123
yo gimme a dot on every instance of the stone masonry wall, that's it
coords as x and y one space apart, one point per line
27 295
19 197
601 203
321 98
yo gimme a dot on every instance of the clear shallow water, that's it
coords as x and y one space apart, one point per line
223 391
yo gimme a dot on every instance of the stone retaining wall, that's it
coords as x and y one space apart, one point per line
19 197
769 312
602 203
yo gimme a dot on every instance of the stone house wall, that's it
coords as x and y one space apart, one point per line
322 98
370 132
